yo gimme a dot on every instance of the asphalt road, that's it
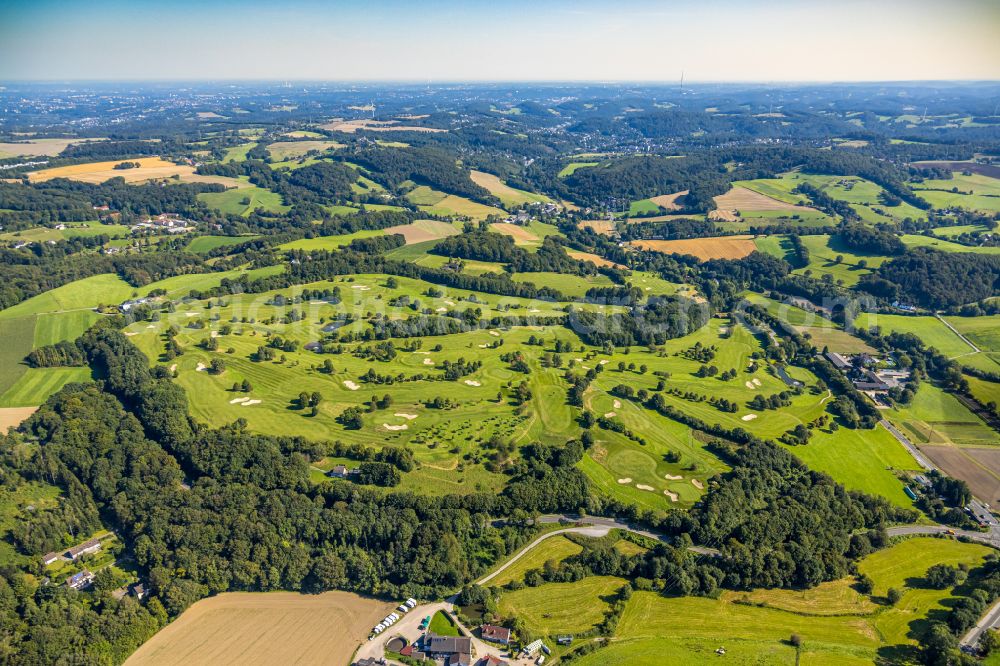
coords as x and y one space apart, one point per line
991 619
917 455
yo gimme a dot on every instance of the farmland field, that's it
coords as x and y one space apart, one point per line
936 417
984 332
421 231
929 329
18 336
81 294
915 240
975 192
203 244
980 468
722 247
510 196
98 172
265 628
35 385
571 168
39 147
243 201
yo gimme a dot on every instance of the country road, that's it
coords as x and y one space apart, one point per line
991 538
901 438
988 621
954 330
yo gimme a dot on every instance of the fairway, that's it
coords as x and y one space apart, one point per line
84 294
253 629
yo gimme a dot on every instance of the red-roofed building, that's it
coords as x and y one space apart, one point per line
495 634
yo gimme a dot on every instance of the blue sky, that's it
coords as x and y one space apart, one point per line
710 40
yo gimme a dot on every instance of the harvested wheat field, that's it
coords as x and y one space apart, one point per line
225 181
423 230
265 628
370 125
668 201
605 227
594 259
723 216
979 467
98 172
11 417
519 234
720 247
741 198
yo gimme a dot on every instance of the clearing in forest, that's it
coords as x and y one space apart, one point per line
423 230
741 198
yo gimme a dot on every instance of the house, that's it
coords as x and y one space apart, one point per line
342 472
128 305
453 650
370 661
495 634
137 590
490 660
49 558
79 581
85 548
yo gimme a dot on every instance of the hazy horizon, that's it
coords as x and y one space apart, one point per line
444 41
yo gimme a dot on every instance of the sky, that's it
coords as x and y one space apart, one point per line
500 40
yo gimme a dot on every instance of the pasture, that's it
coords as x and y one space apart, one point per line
572 168
984 332
238 153
828 256
440 203
973 192
421 231
837 624
721 247
937 418
98 172
203 244
556 548
557 608
509 196
18 336
245 200
931 330
281 151
87 293
249 628
916 240
72 230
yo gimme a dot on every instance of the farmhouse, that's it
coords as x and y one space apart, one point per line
453 650
79 581
495 634
137 590
85 548
838 361
490 660
49 558
342 472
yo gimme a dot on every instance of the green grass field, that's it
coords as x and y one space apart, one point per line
511 197
936 417
571 168
329 242
915 240
203 244
82 294
929 329
244 200
35 385
642 207
570 285
823 253
556 548
72 230
238 153
557 608
974 192
18 336
442 625
984 332
837 625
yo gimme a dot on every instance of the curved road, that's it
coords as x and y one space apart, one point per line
990 538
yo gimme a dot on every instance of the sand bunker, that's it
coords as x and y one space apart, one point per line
618 404
749 417
495 334
625 480
191 314
235 400
448 303
173 368
643 487
360 287
130 333
404 415
351 385
534 310
749 385
395 427
201 366
672 496
483 346
472 382
671 477
609 415
250 402
428 361
697 484
151 326
756 382
605 362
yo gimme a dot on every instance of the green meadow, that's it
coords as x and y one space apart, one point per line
931 330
